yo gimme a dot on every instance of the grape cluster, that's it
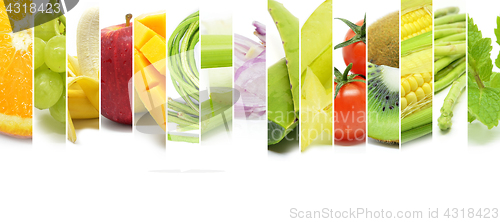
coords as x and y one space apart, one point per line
50 66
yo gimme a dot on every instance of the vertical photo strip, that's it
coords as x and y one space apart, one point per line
383 77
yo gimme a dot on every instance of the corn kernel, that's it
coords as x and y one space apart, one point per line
420 93
411 98
406 86
413 83
420 80
403 103
427 88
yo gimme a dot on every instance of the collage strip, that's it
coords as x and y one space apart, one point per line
327 78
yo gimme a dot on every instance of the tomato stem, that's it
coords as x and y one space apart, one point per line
344 78
360 32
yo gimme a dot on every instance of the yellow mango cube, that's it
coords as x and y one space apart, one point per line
155 50
156 21
142 34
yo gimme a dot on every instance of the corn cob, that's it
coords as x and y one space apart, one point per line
416 18
415 89
416 67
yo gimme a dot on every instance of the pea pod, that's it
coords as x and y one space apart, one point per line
288 27
281 116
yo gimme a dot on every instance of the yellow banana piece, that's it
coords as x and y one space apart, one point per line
73 65
71 128
80 106
83 100
83 73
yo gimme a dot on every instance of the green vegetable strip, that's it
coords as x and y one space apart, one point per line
189 139
180 107
451 38
449 19
184 47
441 33
208 124
451 26
187 128
216 51
452 49
417 119
444 121
190 56
184 75
442 73
416 133
172 117
448 79
188 118
445 11
444 62
183 79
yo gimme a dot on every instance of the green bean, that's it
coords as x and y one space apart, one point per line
442 73
449 19
445 61
450 38
451 25
441 33
450 49
444 121
446 11
448 79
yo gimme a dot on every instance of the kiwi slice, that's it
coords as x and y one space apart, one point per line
383 41
383 103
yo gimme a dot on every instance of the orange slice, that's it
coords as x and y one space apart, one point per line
15 79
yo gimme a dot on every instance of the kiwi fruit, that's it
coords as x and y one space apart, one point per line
383 41
383 103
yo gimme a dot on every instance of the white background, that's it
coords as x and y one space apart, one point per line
118 178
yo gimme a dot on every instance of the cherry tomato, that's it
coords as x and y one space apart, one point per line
350 113
355 53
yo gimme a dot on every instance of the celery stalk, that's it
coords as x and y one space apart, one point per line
216 51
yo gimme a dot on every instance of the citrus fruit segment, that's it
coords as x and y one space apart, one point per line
15 79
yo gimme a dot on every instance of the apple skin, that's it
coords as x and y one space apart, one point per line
116 72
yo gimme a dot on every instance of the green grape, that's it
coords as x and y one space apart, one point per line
48 88
55 53
39 54
63 77
48 29
58 111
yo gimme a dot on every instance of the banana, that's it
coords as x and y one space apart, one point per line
80 106
83 72
87 43
73 65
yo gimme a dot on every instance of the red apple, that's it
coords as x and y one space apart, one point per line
116 72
